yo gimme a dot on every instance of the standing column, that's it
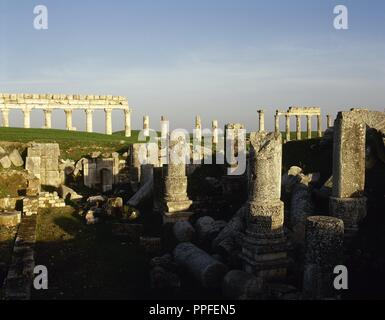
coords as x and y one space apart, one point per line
276 126
27 117
108 113
127 122
298 126
261 114
329 121
164 127
324 249
319 126
47 118
5 112
89 125
348 202
175 184
164 136
146 126
308 126
263 248
215 131
197 141
198 128
287 117
68 113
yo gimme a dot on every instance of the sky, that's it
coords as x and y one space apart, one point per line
220 59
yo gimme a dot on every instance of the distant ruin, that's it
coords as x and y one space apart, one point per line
68 103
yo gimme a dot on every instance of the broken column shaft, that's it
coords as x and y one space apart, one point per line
175 183
264 247
324 247
207 270
347 202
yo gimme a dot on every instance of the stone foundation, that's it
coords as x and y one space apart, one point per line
43 200
20 273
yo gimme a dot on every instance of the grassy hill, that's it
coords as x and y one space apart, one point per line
73 144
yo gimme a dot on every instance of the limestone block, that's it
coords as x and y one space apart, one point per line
51 178
15 158
49 163
349 156
5 162
68 193
33 165
89 173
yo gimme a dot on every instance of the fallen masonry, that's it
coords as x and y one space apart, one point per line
274 232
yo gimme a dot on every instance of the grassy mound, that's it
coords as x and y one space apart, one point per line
73 144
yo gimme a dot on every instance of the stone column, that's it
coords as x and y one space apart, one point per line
164 128
207 271
198 128
146 126
329 121
108 119
298 126
276 125
5 117
47 118
127 122
27 119
68 113
319 126
89 125
215 131
287 125
175 184
347 202
261 114
324 248
164 137
308 126
197 141
264 245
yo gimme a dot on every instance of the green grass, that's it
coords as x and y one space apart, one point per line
7 238
86 261
73 144
11 184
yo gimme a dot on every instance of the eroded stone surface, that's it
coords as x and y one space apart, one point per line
324 248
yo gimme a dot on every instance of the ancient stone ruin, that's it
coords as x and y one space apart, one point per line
264 245
68 103
189 221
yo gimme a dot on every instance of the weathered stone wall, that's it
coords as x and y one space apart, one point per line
43 162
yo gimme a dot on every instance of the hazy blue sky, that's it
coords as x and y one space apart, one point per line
217 58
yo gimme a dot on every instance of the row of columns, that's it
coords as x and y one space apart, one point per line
68 114
298 124
164 128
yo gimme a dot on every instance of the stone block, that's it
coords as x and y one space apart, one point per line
5 162
33 165
15 158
